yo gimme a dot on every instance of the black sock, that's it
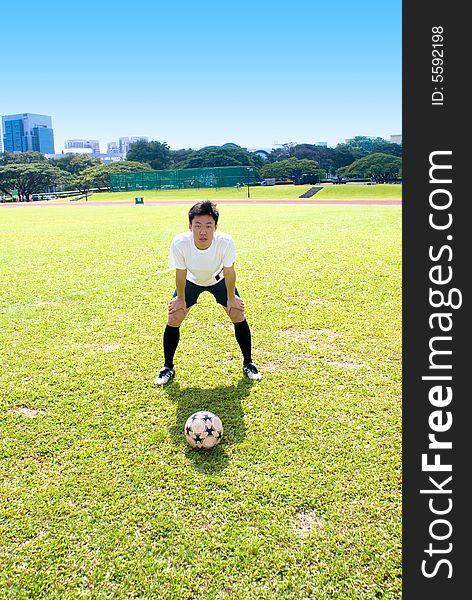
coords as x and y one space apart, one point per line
171 341
243 337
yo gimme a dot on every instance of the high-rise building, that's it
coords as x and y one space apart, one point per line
125 142
112 149
93 144
26 132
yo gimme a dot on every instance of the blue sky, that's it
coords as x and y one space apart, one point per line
194 74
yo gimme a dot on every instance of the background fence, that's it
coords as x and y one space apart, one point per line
213 177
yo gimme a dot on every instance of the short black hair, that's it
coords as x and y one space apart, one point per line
205 207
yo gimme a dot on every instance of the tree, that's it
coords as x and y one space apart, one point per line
380 167
344 155
293 168
74 163
177 157
287 150
21 158
99 176
30 178
156 154
364 145
84 181
222 156
329 159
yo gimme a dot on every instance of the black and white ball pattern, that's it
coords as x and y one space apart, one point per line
203 429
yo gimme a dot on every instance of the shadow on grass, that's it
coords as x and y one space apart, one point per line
224 401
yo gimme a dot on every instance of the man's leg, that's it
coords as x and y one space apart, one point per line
171 341
242 333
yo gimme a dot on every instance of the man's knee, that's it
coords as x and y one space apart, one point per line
175 318
236 315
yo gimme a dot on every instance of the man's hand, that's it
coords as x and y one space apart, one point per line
235 303
177 304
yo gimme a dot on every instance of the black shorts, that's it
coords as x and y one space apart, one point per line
219 291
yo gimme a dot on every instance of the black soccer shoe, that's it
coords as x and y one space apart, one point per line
251 372
165 375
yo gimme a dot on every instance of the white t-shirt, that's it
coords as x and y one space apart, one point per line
202 265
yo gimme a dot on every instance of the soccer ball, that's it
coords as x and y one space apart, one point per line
203 429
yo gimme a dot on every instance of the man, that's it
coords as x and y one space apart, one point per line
203 259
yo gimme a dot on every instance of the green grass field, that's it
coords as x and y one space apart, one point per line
100 496
382 191
277 192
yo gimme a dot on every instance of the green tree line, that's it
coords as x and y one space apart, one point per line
27 173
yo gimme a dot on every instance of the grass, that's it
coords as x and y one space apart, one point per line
278 192
100 496
385 191
258 192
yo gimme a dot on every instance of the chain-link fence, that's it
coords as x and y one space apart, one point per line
212 177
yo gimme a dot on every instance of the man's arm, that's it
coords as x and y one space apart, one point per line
180 281
178 303
230 281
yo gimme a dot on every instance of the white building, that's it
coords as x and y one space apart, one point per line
84 144
112 149
88 151
104 158
125 142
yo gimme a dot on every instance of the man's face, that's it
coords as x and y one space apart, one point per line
203 228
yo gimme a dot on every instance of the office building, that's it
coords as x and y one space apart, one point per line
125 142
94 145
26 132
112 149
